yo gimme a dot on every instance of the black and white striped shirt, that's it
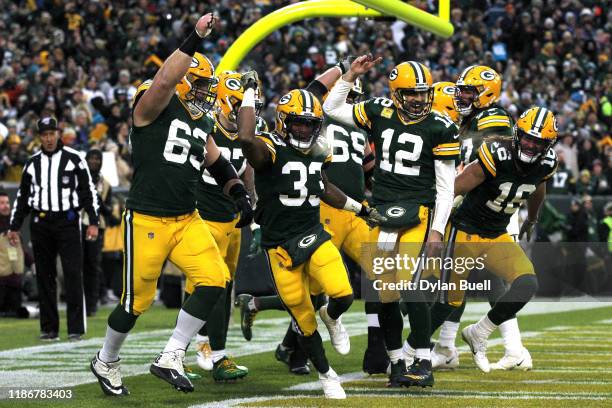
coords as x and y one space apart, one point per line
55 182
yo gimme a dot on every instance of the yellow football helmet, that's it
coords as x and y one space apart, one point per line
299 117
411 91
478 87
197 88
443 100
534 133
230 93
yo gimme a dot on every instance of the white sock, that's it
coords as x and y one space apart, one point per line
448 333
407 348
485 326
373 320
186 327
217 355
395 355
112 344
202 339
512 336
423 353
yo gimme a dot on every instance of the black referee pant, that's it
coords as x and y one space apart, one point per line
53 234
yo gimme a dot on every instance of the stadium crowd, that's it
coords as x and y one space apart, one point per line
81 62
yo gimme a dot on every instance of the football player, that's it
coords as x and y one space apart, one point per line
350 170
170 144
290 183
476 92
416 151
507 172
221 216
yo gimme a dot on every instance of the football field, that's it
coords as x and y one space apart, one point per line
571 345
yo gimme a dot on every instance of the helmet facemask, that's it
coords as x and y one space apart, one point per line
302 131
529 148
414 103
201 96
465 99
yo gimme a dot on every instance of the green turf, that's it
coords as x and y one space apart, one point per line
564 369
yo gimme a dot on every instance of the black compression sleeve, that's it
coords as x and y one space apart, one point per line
222 171
191 43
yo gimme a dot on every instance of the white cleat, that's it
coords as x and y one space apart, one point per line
169 366
337 332
444 357
409 353
478 345
521 362
331 385
109 376
204 355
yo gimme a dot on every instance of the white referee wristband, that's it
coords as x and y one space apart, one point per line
352 205
248 100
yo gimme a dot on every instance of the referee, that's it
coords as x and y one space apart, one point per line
55 185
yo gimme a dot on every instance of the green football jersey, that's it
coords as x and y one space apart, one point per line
405 152
346 171
167 156
486 210
288 190
213 205
481 123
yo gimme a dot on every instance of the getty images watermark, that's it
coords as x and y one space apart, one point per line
403 265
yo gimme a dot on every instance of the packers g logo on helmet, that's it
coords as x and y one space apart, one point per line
478 87
411 91
196 89
443 100
230 94
299 117
534 133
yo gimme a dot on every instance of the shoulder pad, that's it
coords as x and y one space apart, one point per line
141 90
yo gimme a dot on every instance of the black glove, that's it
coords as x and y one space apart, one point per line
527 228
243 203
249 80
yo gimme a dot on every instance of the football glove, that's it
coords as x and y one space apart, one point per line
372 216
243 203
527 228
249 80
255 247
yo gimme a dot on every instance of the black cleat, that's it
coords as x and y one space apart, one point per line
375 360
398 375
283 354
169 367
420 373
109 376
247 316
298 362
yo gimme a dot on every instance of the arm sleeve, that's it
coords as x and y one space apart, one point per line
445 182
317 88
88 196
20 207
335 105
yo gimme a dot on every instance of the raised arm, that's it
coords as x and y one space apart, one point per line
255 150
157 96
335 105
